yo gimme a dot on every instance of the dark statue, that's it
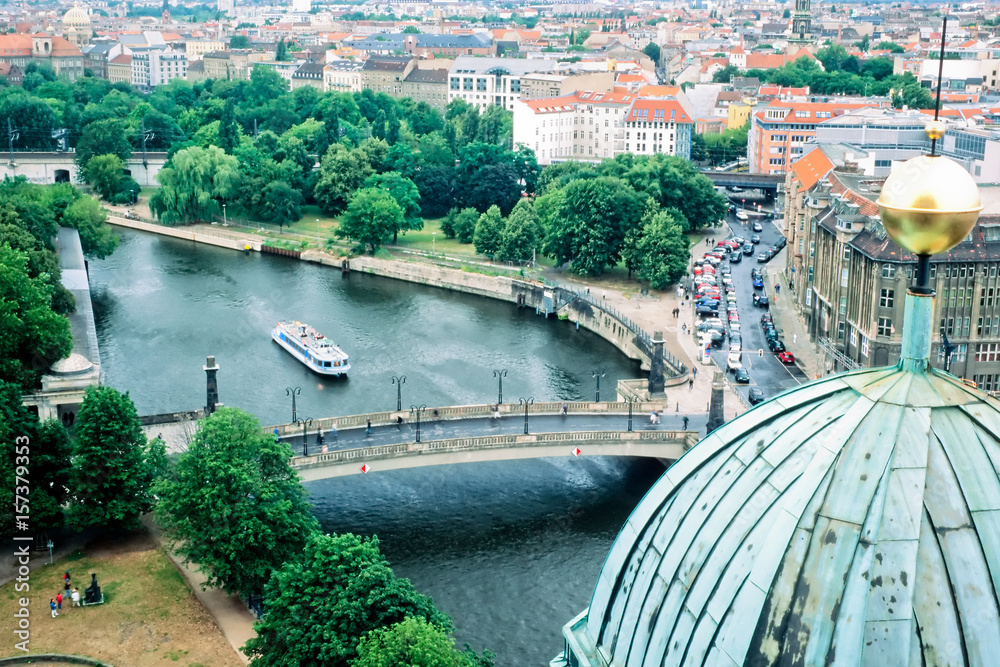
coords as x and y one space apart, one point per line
93 593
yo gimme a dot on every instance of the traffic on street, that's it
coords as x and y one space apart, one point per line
732 302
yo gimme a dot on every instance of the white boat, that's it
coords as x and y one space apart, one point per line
312 348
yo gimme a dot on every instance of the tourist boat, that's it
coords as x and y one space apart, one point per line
312 348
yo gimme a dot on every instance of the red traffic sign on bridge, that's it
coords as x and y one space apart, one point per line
365 468
576 451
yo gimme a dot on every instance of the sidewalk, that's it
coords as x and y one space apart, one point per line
230 614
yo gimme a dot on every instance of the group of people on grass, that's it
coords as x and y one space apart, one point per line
55 604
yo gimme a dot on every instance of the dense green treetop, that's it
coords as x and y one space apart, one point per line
234 503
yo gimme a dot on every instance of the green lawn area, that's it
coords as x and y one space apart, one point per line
314 221
431 238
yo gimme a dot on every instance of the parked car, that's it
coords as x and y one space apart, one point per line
735 343
758 283
755 396
766 317
776 345
707 310
786 357
748 248
782 242
734 316
741 377
764 257
756 227
755 239
709 325
731 304
734 362
771 336
735 257
760 300
718 339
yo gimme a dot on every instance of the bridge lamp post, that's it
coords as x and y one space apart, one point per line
631 400
598 375
305 423
399 380
293 392
500 375
526 402
416 410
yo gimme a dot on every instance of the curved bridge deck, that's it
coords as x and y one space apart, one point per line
656 444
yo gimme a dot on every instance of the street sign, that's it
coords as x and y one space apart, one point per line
365 468
576 452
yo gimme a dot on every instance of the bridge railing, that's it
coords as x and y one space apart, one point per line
442 413
686 438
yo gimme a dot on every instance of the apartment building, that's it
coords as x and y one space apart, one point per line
485 81
232 64
120 69
385 74
62 56
427 85
851 278
308 74
779 131
157 67
592 126
196 49
534 86
343 76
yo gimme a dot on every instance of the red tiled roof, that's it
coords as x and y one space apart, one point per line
865 206
645 109
811 167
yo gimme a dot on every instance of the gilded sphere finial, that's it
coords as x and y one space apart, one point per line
935 129
929 204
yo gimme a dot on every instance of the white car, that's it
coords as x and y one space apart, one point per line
740 215
733 362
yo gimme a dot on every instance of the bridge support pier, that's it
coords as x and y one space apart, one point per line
657 379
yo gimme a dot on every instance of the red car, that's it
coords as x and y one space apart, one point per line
734 316
786 358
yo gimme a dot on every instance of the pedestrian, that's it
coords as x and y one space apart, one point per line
777 289
691 384
604 296
694 372
52 606
323 450
684 328
565 409
58 600
685 422
333 431
652 417
76 597
496 412
588 291
795 338
682 304
368 430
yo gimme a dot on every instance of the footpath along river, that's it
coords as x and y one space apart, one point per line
511 550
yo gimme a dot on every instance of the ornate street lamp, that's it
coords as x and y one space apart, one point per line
598 375
500 375
399 380
631 400
526 402
305 423
416 410
293 392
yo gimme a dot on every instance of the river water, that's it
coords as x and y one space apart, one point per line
511 550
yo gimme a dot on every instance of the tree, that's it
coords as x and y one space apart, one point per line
103 137
726 74
662 251
392 128
489 230
111 477
229 129
239 42
282 55
437 189
832 57
891 47
460 224
406 195
877 68
521 234
370 219
413 642
587 221
33 335
33 118
281 203
653 51
411 30
341 172
320 606
104 173
913 96
786 14
194 184
50 472
234 504
90 219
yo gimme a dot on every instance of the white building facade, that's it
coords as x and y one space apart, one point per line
155 67
485 81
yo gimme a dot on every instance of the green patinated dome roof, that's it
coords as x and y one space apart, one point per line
853 520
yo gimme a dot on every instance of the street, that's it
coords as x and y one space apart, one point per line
509 424
766 371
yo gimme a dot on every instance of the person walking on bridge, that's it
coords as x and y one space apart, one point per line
685 422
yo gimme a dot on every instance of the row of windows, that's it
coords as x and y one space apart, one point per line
988 352
988 327
958 354
955 326
987 382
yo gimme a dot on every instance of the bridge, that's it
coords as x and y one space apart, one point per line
746 180
667 445
57 167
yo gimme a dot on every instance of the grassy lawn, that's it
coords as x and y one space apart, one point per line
150 616
431 238
314 221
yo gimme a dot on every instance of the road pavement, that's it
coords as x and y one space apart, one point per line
766 371
508 424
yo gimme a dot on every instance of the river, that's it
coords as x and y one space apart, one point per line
510 550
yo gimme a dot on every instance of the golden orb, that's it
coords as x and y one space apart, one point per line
929 204
935 129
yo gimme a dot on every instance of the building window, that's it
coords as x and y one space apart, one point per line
840 330
987 382
864 346
888 271
885 299
843 305
884 326
854 336
986 352
843 277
